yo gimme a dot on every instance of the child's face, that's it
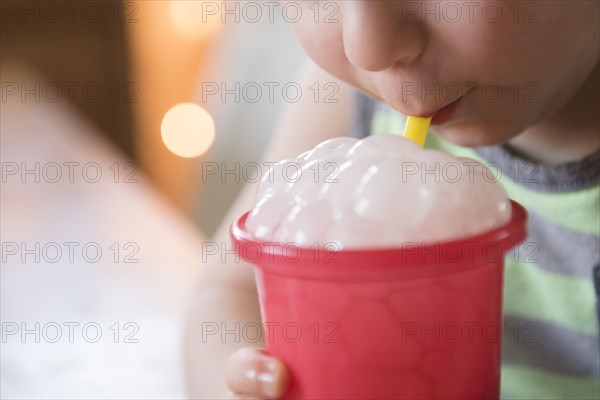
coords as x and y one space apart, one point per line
500 66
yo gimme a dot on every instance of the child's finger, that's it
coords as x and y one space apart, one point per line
232 396
252 372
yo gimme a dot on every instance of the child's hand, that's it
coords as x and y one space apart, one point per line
251 372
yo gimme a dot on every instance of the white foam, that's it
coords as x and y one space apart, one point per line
381 191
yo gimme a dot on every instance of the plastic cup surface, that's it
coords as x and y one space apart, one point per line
422 320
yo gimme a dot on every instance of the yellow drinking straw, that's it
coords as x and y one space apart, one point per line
416 129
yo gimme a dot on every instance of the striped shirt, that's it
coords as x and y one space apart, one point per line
551 345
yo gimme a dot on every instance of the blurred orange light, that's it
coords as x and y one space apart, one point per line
196 19
187 130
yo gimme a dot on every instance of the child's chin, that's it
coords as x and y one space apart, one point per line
473 135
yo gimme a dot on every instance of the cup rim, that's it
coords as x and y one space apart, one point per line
470 248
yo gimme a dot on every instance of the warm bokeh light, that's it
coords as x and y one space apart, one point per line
188 130
196 19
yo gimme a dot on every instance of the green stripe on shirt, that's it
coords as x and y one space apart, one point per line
521 382
531 292
558 207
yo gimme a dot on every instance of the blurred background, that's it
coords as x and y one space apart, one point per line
112 115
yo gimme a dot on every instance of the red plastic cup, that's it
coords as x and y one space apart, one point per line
421 321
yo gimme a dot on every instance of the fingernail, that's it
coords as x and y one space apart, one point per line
267 378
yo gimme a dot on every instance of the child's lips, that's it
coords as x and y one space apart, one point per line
445 113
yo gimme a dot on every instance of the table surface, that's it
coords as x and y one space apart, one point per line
110 323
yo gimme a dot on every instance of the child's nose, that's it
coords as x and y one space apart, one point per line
377 35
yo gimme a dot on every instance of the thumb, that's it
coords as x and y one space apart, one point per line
252 372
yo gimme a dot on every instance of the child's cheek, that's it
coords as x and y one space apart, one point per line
324 43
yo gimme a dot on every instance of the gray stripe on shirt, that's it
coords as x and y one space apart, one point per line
551 347
550 178
364 108
545 247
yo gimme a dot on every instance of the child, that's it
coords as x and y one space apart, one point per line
514 84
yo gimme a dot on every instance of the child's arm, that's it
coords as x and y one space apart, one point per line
226 293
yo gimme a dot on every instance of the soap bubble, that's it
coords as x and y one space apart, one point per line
304 156
394 143
381 196
307 224
277 177
436 167
341 188
352 232
364 149
337 145
383 146
268 213
315 173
